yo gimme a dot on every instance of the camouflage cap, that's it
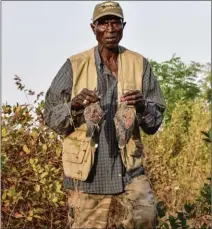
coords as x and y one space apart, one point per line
107 8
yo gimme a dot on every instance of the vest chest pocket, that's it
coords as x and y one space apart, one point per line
77 158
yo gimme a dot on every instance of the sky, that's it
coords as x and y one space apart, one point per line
38 37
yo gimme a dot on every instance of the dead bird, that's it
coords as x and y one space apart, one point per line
93 114
124 122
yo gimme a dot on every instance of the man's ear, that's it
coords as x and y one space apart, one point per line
124 23
93 27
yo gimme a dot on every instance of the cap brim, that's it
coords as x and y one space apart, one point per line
106 14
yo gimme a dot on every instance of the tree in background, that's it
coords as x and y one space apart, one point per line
181 82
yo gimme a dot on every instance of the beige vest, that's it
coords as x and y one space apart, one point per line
78 155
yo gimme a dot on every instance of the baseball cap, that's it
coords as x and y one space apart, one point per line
107 8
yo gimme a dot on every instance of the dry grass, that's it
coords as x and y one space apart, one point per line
178 160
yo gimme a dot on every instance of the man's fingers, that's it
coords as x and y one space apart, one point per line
81 98
93 94
87 92
86 97
134 102
78 99
131 92
91 99
131 97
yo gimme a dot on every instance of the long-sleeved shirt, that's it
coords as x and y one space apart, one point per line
108 175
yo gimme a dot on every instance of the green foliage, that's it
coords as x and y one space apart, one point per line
180 82
206 82
204 198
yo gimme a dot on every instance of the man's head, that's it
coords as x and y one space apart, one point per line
108 24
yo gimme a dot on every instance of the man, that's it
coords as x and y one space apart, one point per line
121 85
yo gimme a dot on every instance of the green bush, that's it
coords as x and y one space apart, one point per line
32 194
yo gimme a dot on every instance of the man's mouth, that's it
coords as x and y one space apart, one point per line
110 39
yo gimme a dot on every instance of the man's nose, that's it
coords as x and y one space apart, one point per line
110 27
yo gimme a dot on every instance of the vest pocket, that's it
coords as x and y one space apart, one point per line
77 158
132 154
135 147
74 150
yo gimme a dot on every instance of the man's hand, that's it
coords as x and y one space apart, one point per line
134 98
84 98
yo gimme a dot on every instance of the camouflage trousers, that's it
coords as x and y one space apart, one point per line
92 210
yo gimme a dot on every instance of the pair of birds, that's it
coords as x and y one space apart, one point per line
124 122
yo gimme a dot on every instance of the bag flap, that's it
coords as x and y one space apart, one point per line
75 158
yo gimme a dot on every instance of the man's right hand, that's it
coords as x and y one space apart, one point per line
84 98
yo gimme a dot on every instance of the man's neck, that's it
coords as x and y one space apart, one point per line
109 55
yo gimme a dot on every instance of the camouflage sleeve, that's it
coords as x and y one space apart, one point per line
57 110
151 119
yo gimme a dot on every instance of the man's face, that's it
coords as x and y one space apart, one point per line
108 31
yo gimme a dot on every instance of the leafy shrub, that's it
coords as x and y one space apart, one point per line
32 194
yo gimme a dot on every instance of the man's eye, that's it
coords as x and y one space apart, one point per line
116 22
102 23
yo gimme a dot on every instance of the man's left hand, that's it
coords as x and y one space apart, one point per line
134 98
